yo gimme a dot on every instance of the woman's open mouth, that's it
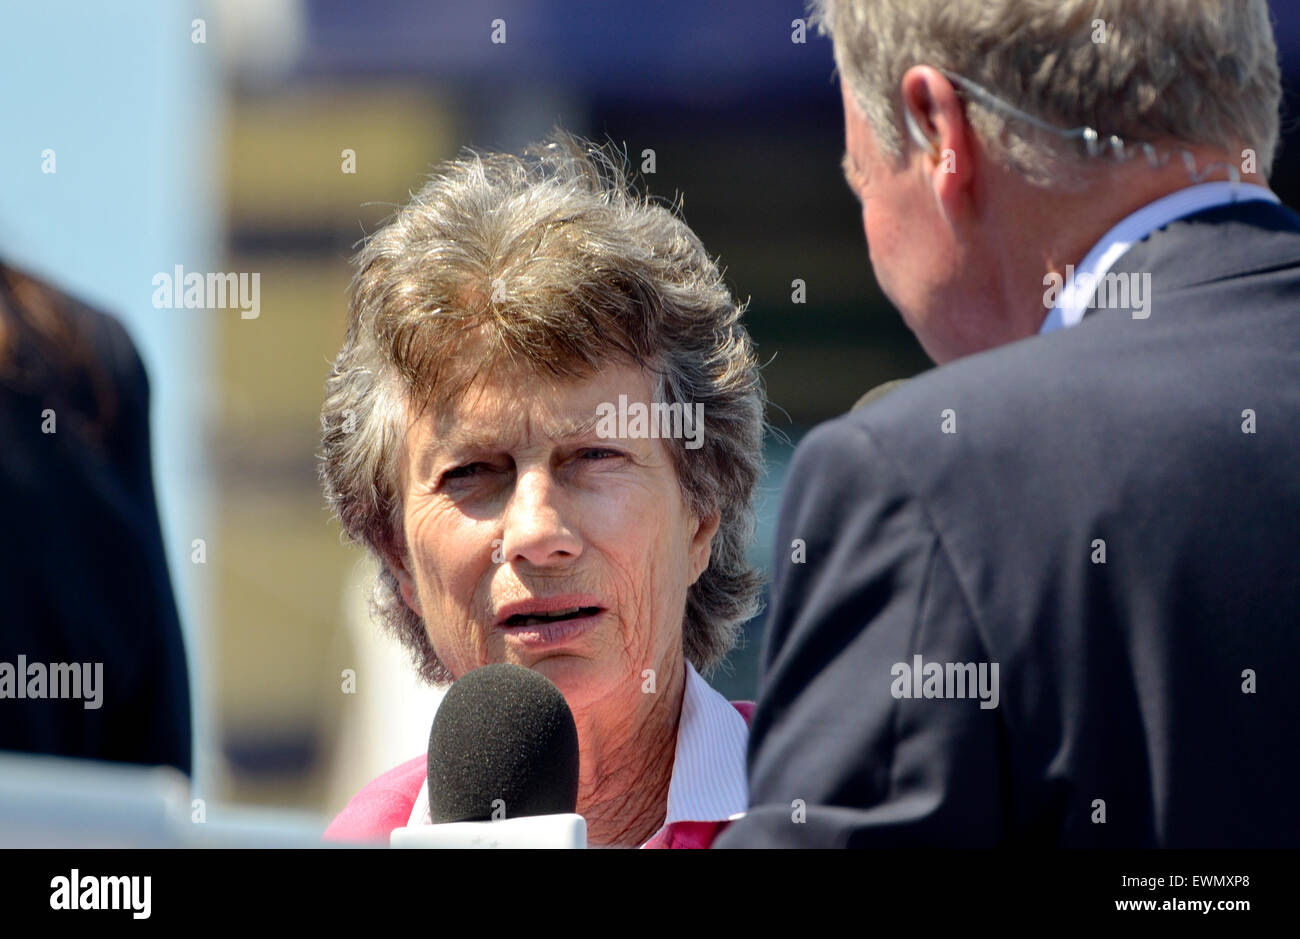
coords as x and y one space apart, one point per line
541 619
536 628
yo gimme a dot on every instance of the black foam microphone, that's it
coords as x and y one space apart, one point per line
503 744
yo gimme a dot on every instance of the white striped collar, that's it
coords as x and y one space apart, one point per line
1077 293
708 782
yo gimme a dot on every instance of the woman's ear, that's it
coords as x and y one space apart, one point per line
702 544
400 566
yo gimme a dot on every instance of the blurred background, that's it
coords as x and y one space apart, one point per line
270 136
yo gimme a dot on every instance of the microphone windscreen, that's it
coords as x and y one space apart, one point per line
502 732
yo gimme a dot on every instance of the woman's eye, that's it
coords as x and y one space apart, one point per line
465 471
599 453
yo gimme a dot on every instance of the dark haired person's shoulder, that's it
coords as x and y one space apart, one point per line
113 341
112 349
94 330
97 371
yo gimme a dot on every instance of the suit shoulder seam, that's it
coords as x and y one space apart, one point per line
935 532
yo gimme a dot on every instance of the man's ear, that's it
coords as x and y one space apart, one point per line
400 565
702 544
934 113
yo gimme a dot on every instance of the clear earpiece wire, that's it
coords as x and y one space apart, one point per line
1093 143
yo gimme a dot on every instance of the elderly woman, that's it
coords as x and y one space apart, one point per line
545 424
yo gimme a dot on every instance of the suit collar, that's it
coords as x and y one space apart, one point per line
1087 287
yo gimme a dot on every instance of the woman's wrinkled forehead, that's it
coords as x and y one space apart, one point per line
503 407
526 401
447 371
439 366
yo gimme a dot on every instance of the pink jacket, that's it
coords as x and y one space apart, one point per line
386 802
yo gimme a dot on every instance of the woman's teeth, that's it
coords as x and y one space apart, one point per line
534 619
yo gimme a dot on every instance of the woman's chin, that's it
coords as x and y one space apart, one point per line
582 681
566 671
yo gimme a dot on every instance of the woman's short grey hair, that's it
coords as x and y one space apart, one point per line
1203 73
552 264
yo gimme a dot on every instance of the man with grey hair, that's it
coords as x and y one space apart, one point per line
1045 594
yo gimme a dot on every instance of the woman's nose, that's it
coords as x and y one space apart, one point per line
536 529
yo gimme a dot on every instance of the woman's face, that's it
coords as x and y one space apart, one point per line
517 514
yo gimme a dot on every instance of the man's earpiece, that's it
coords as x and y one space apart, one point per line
928 144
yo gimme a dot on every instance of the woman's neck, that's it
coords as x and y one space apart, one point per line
623 790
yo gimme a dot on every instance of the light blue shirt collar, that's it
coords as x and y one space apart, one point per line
1077 291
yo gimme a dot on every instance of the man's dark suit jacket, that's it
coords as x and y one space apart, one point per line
83 574
1158 690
